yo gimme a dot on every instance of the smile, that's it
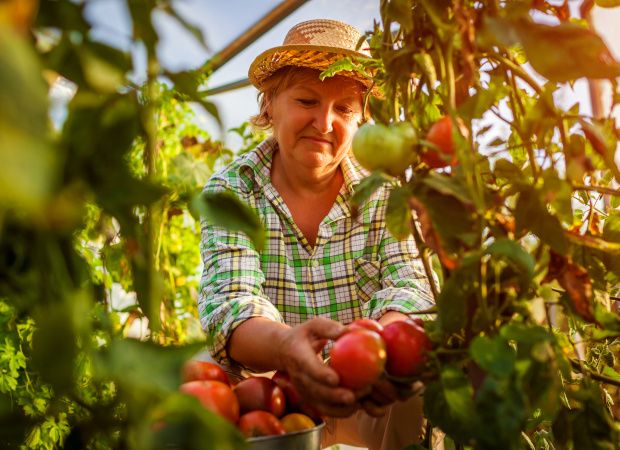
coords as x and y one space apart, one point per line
317 140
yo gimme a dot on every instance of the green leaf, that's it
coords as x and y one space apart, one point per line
493 355
426 65
188 174
516 255
104 67
189 84
226 210
449 404
593 427
452 304
367 187
344 64
194 30
143 29
611 373
453 219
560 53
525 334
28 164
501 406
400 11
182 422
398 213
531 214
144 368
558 193
447 185
507 170
475 106
59 326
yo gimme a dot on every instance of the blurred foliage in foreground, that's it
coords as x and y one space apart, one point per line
98 248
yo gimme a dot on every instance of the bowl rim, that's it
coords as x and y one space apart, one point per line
286 435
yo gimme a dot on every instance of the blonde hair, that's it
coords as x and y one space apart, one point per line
281 80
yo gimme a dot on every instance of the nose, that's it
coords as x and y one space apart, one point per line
324 120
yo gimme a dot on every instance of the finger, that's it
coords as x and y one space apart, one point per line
314 391
332 410
324 328
384 392
319 372
372 409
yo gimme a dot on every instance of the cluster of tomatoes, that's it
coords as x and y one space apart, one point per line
258 406
392 148
262 406
367 350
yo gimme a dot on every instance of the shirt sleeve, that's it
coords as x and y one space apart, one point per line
404 286
230 287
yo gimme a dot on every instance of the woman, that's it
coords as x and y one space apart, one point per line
321 268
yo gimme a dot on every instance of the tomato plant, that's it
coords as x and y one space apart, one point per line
513 202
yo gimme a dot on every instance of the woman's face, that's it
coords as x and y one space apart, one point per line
314 121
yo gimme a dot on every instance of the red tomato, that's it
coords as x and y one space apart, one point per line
366 324
440 134
259 423
406 344
359 358
293 399
260 393
195 370
214 396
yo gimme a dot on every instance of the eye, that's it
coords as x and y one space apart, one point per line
306 101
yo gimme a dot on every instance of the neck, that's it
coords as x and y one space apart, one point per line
303 181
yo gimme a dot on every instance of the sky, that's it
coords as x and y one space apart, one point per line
221 21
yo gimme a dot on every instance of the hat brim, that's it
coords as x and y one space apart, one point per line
310 56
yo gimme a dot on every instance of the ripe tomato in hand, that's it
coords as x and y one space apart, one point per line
259 423
293 399
358 357
214 396
440 134
194 370
406 344
260 393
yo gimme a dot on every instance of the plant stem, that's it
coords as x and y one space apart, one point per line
151 239
424 250
601 189
594 375
517 70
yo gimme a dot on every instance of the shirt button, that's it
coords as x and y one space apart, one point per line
315 263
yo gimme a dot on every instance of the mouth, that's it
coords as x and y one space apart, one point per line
317 140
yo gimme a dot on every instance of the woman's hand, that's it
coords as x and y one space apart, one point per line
315 381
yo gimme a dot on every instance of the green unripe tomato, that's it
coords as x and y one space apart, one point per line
379 147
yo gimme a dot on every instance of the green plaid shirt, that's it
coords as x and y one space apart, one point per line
356 268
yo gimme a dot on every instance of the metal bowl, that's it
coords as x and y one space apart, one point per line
309 439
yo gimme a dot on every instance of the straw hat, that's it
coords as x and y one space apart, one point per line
315 44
